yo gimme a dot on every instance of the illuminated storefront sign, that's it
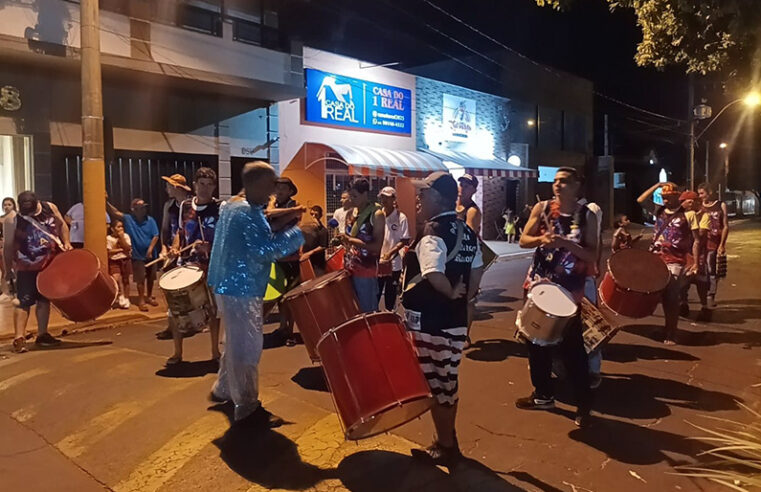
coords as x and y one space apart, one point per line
357 104
459 118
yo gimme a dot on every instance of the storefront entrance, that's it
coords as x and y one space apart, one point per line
16 166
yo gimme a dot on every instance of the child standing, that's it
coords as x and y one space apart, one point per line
119 249
622 238
511 228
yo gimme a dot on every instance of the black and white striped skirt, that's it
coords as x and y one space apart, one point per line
439 356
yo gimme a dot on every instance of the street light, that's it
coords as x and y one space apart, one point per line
723 145
531 122
751 100
723 184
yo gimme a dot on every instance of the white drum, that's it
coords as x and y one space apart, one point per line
191 305
547 311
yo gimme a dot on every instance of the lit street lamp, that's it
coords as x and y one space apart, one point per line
751 100
723 184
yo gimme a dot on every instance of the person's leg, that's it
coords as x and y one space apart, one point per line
177 339
20 319
576 362
381 290
392 290
150 279
214 332
366 289
119 288
540 369
42 311
138 270
444 417
671 300
713 279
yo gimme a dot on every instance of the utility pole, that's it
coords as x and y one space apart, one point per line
611 173
708 149
93 166
691 120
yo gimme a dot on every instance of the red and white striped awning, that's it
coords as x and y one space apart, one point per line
374 161
484 167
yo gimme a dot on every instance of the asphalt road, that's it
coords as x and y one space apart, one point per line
102 412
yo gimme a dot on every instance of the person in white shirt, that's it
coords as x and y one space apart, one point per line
75 219
340 214
396 237
590 292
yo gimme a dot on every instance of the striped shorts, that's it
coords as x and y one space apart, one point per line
439 357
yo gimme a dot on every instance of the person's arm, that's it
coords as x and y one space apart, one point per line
165 222
64 227
113 211
616 243
432 255
67 218
9 246
269 246
154 239
648 192
696 242
473 219
725 231
529 238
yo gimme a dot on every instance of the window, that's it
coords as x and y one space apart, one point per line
16 170
247 31
201 19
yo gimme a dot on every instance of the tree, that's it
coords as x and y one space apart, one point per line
702 35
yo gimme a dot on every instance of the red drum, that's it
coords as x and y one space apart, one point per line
335 261
320 304
634 283
373 374
76 286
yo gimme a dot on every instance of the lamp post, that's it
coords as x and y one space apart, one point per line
725 176
751 100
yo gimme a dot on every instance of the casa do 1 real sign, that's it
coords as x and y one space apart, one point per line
357 104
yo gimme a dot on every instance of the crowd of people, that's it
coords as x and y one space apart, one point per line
437 274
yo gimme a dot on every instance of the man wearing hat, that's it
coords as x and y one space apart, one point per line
676 234
436 280
468 211
178 191
396 237
143 232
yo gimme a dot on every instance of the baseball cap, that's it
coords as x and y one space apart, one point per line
441 181
177 180
688 195
388 191
287 181
669 189
138 202
470 179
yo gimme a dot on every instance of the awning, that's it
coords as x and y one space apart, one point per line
374 161
484 167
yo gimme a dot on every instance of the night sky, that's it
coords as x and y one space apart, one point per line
588 41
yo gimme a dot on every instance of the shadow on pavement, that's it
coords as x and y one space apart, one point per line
496 350
266 457
195 369
67 344
648 397
706 338
737 311
535 482
636 445
311 378
381 471
624 352
495 296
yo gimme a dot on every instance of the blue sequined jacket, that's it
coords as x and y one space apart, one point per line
244 249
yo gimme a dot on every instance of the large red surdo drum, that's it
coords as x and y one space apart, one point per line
373 374
76 286
634 283
320 304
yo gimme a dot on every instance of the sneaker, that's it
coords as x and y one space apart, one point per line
583 420
291 342
124 303
534 402
47 340
438 454
684 310
152 301
214 398
595 380
260 419
19 345
164 334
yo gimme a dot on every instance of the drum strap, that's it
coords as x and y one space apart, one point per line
451 256
666 224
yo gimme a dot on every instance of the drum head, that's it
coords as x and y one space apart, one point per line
315 283
638 270
553 299
68 274
180 277
276 284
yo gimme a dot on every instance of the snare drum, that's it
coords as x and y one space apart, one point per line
190 303
547 311
634 283
74 283
373 374
320 304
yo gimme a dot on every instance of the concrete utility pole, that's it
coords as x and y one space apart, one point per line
93 165
691 120
611 177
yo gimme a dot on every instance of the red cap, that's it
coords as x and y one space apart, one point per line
688 195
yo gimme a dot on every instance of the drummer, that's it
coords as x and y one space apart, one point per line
39 233
364 243
564 232
198 222
676 234
239 270
468 211
437 276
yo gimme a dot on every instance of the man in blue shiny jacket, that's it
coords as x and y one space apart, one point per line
239 270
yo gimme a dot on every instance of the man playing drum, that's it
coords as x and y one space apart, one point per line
198 222
239 270
676 234
438 272
468 211
564 233
35 236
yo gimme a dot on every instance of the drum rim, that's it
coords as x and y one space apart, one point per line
98 271
628 289
358 316
519 329
185 267
602 300
363 420
293 295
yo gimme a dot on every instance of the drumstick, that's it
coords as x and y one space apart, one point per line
151 263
